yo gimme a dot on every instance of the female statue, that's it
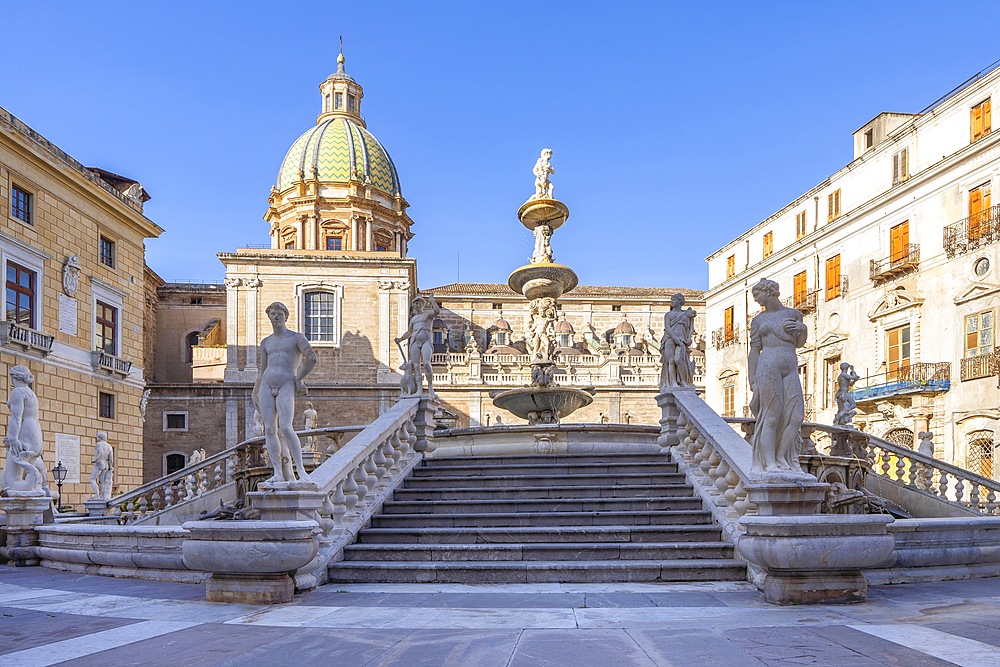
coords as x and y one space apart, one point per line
777 401
675 354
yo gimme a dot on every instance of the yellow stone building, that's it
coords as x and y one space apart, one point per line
72 256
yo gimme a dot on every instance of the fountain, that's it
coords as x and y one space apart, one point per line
542 282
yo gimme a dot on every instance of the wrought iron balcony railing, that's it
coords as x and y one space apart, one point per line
980 366
913 379
973 232
898 263
804 301
725 336
12 332
102 361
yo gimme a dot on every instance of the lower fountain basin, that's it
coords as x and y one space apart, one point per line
560 401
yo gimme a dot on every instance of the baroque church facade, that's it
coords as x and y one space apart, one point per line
338 258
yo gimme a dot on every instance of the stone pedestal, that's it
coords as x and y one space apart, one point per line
787 498
25 510
287 501
251 562
96 506
816 559
853 444
424 424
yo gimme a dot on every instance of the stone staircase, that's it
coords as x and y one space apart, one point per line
527 519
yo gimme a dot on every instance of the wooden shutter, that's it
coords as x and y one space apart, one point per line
975 121
899 242
986 117
799 288
833 277
730 266
975 212
728 331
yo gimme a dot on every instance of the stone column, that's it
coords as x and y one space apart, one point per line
384 370
369 232
24 514
232 328
354 233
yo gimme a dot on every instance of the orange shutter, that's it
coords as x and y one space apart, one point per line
986 117
799 288
833 277
975 121
899 242
975 212
729 333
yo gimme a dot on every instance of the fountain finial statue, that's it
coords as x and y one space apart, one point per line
543 169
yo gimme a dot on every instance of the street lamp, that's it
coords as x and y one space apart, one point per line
59 472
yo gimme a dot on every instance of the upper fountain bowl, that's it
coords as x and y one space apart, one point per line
535 281
543 211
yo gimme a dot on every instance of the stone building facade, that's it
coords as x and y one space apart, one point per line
73 259
338 259
893 261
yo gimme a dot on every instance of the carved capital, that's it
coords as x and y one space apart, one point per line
252 283
233 283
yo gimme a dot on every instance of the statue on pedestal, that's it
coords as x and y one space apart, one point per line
24 469
678 329
285 359
542 328
847 407
542 171
104 465
310 420
777 401
420 335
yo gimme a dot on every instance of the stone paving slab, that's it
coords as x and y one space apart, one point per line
49 617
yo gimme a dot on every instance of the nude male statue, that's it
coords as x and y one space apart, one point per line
542 170
420 335
24 469
104 464
285 359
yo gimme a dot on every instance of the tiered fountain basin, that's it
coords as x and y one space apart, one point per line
536 281
541 211
561 401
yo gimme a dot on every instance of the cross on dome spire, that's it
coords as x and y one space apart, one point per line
341 93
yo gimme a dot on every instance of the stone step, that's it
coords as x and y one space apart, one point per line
431 493
553 505
518 481
642 518
537 552
549 469
545 459
509 572
540 534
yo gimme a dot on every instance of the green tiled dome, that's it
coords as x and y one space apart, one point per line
331 148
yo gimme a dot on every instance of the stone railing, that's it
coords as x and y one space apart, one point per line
146 503
454 358
945 481
102 361
28 338
358 478
713 457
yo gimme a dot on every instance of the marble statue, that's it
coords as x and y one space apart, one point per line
543 245
144 403
197 456
24 468
542 327
417 361
285 359
258 423
498 422
310 420
926 446
104 465
71 275
777 401
542 171
678 327
847 407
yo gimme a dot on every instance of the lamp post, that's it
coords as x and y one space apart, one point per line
59 472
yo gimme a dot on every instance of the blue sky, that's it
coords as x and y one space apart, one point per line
675 126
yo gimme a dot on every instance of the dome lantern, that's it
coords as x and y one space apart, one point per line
341 94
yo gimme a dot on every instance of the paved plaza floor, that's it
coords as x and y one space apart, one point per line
49 617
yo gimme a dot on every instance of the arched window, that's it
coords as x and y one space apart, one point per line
900 436
189 344
320 316
173 462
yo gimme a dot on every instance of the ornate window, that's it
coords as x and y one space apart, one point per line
729 401
900 436
979 211
334 242
320 312
106 328
980 457
897 351
979 334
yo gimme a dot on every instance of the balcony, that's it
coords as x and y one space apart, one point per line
725 336
907 259
929 378
29 339
973 232
803 301
102 361
980 366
